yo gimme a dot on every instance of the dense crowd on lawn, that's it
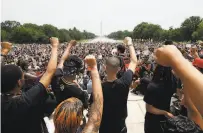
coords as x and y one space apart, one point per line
63 80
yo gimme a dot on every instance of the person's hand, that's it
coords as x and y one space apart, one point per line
128 41
193 52
137 82
167 55
5 47
169 115
76 83
54 41
73 42
91 61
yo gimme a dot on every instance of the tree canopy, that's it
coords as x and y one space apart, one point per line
13 31
190 30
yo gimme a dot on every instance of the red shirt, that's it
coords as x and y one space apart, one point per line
198 62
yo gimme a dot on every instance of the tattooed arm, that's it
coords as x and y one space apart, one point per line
96 110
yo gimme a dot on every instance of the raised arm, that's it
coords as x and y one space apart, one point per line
192 111
191 78
66 53
157 111
133 57
51 68
96 110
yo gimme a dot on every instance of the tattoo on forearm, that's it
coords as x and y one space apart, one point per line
95 117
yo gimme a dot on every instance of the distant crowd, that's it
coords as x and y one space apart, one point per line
60 81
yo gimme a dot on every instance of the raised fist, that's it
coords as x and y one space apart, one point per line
5 47
54 41
128 41
73 42
167 55
91 61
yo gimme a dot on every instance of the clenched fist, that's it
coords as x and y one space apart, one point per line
73 42
91 61
167 55
128 41
5 47
54 41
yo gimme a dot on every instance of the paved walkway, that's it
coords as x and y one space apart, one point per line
135 119
136 112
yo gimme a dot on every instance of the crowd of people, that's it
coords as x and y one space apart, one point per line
63 80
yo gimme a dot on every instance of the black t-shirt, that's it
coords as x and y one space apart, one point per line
159 95
64 91
115 103
144 73
24 113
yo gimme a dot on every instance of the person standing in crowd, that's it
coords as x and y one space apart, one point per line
191 78
64 82
158 97
115 92
121 50
22 112
124 61
68 114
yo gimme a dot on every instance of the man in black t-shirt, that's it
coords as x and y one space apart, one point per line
115 93
23 112
64 84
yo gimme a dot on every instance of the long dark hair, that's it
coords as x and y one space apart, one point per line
164 75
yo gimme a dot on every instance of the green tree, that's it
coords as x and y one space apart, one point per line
9 25
4 35
64 35
50 30
24 35
120 34
189 26
146 30
199 32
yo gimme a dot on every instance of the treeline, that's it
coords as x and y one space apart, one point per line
190 30
31 33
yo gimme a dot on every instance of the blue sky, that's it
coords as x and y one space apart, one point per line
88 14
